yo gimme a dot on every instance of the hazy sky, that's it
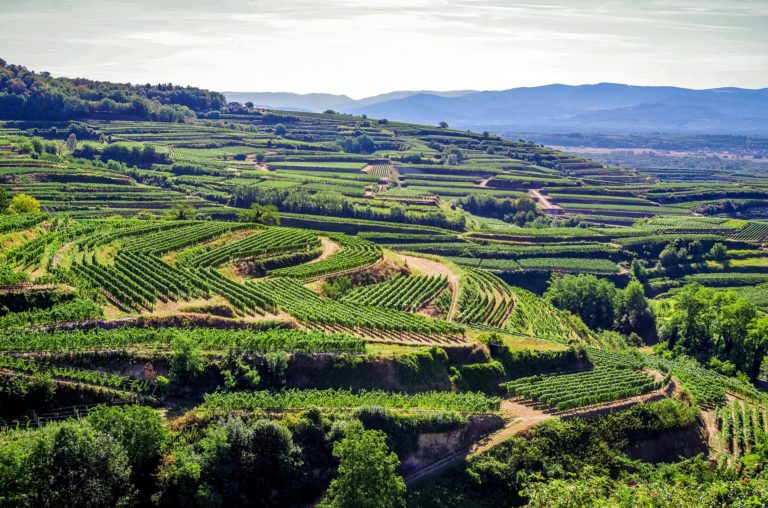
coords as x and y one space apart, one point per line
364 47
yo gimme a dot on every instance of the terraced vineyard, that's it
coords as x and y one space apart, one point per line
262 244
311 277
353 254
743 425
308 306
402 293
297 399
601 384
485 299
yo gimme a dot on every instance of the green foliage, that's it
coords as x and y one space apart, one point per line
74 465
706 323
236 463
638 271
593 300
187 360
635 314
276 366
23 203
483 377
519 211
39 96
556 450
366 474
19 394
261 215
719 252
421 368
5 200
181 212
139 429
359 144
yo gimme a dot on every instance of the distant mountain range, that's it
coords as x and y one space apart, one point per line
604 107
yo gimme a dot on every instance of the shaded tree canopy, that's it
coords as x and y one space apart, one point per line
706 323
367 476
27 95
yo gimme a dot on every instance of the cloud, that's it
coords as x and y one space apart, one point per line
361 47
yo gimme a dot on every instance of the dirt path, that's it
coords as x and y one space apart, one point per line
484 182
522 418
329 249
713 434
431 267
544 202
523 415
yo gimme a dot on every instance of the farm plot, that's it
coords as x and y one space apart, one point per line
354 253
344 399
308 306
261 244
578 389
402 293
485 299
743 426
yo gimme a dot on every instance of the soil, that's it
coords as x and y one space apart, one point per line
544 202
329 249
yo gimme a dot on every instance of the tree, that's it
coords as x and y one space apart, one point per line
718 252
359 144
635 315
72 464
668 256
4 200
71 142
236 464
249 104
443 125
37 145
139 429
452 155
261 214
638 271
187 359
280 129
593 300
23 203
181 212
366 473
706 323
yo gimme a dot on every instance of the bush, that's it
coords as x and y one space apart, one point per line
71 464
23 203
479 376
187 360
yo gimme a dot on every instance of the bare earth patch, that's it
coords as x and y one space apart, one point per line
329 249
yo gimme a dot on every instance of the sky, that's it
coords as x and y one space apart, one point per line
365 47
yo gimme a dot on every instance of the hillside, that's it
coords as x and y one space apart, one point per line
254 307
604 107
26 95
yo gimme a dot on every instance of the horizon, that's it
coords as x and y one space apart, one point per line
759 89
402 90
447 45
